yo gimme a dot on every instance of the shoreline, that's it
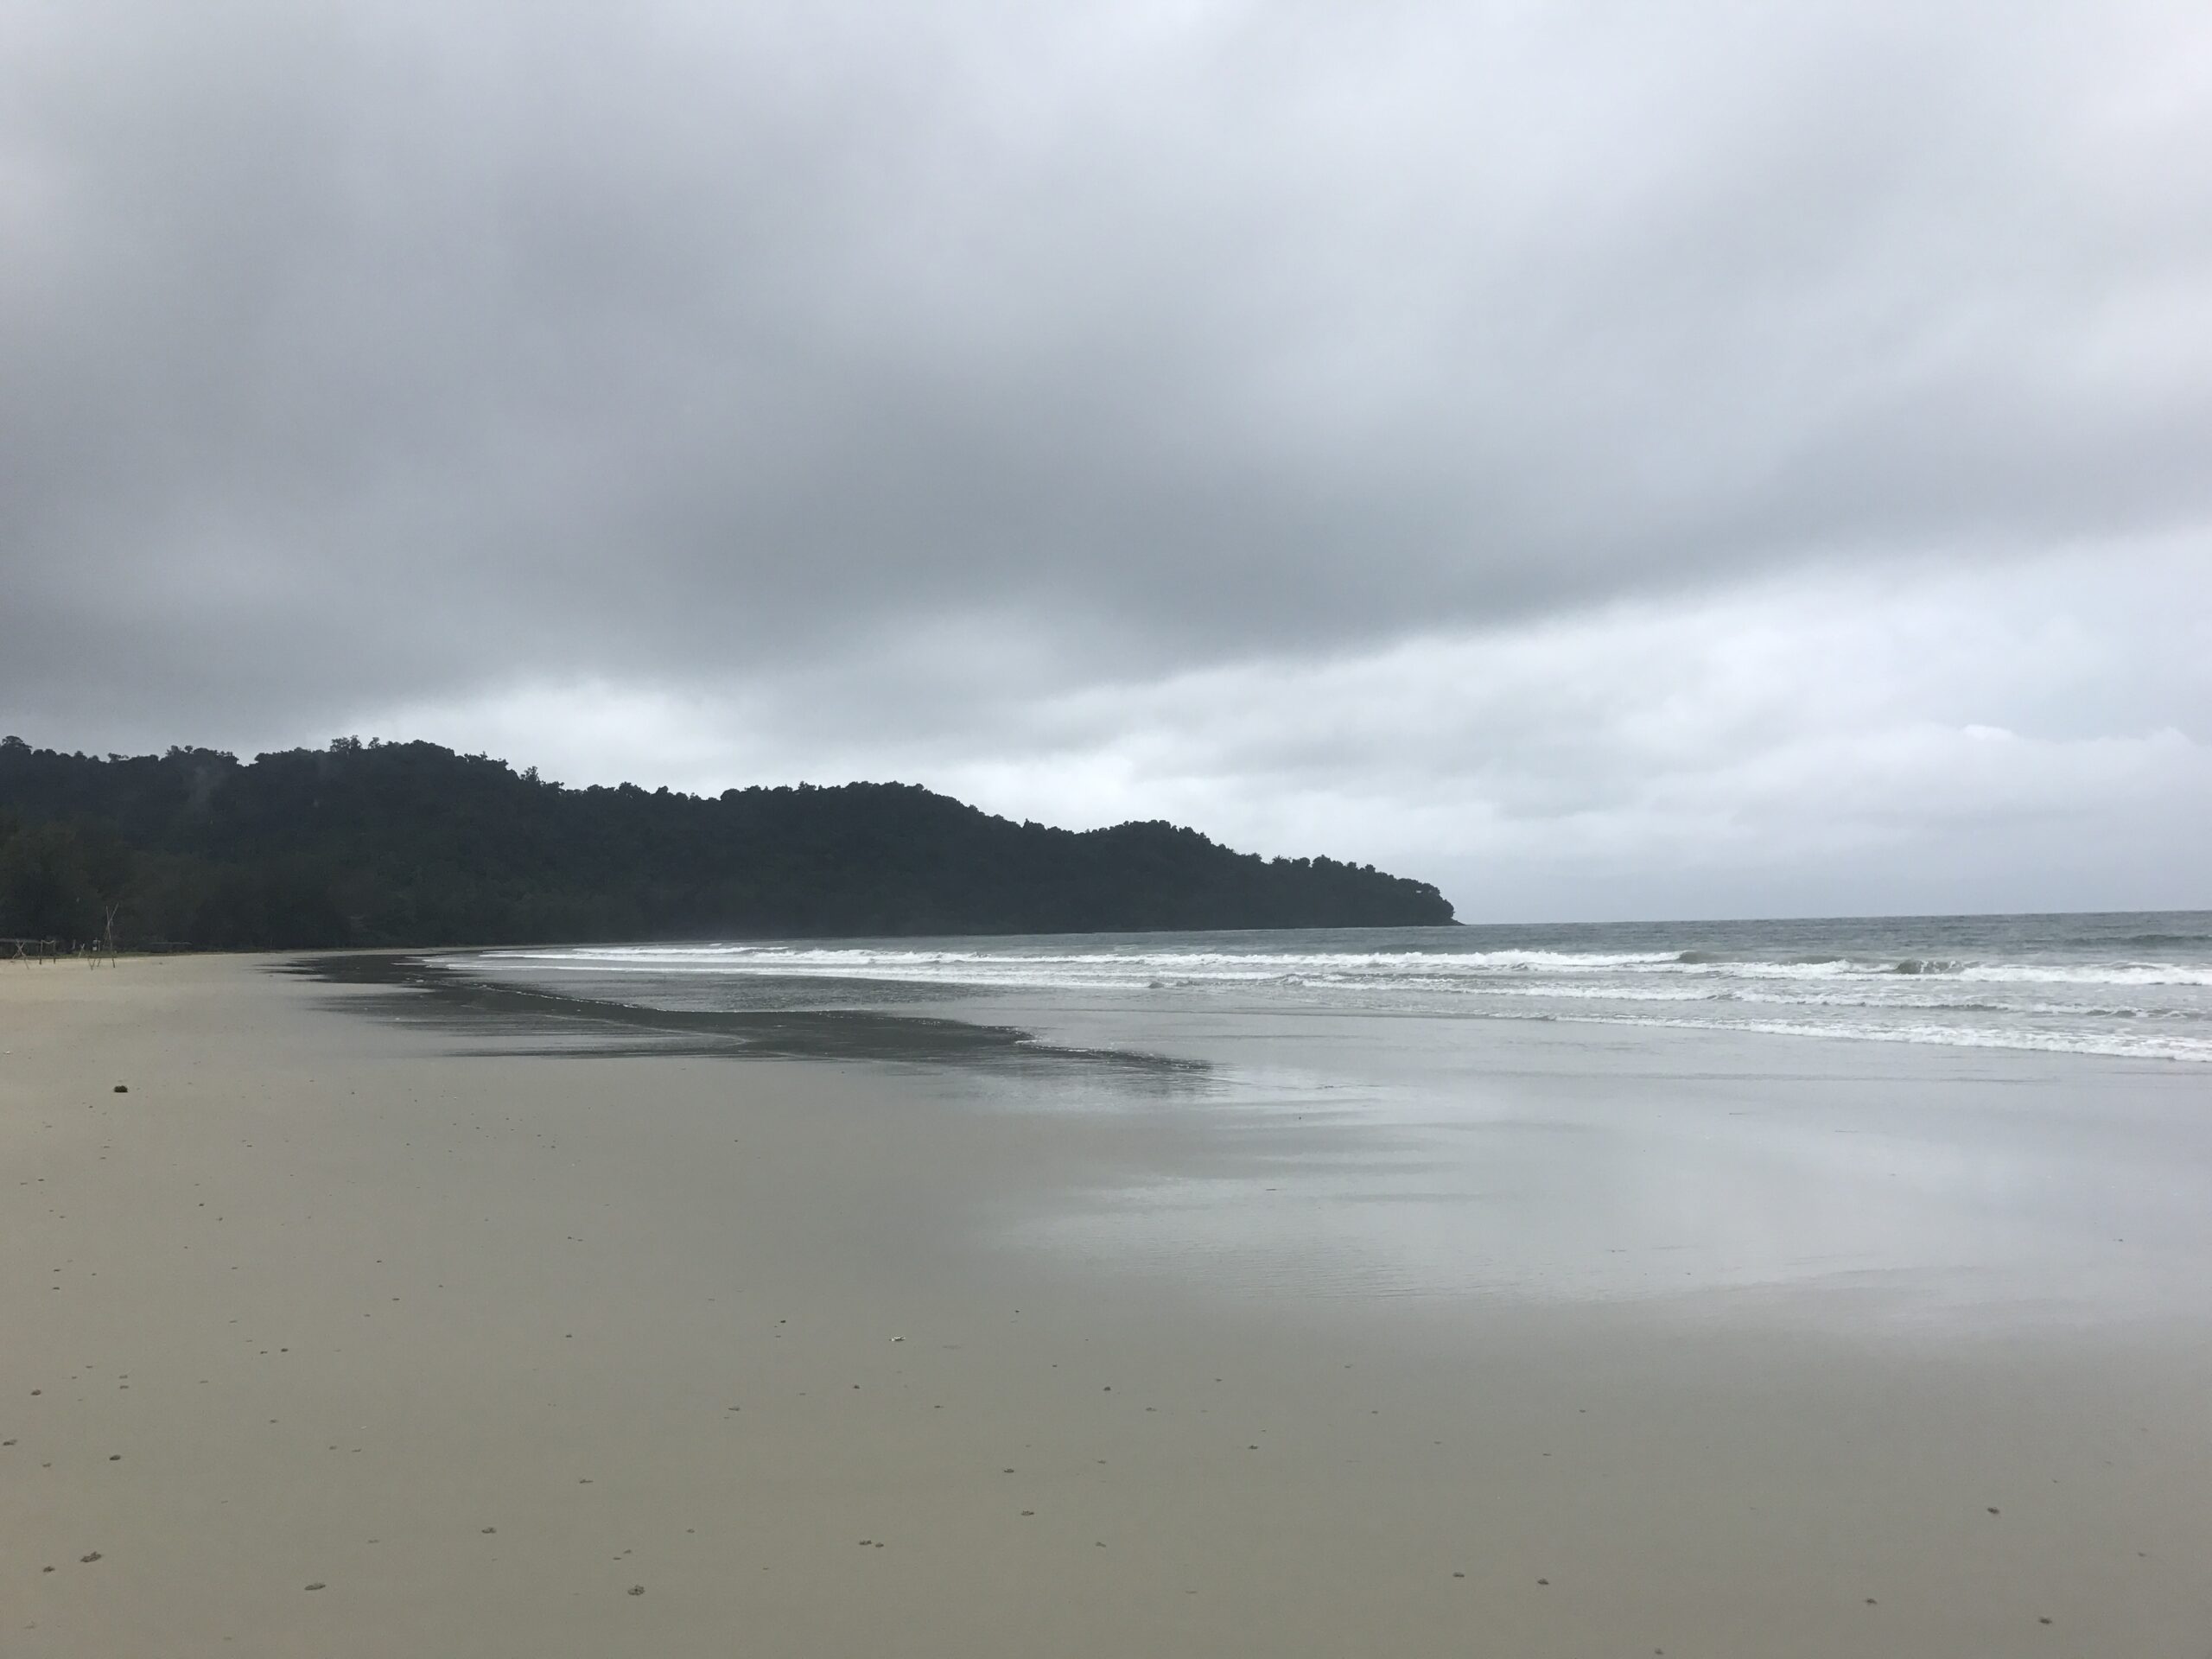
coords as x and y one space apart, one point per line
441 996
500 1306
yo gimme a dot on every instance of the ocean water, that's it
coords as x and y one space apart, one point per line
1908 1125
2135 986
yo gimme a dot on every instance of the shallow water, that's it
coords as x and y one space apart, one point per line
2131 985
1989 1121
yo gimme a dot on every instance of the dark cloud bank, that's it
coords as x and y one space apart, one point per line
1606 459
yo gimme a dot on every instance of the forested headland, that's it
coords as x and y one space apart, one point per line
412 845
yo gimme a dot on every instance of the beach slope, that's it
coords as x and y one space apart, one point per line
340 1334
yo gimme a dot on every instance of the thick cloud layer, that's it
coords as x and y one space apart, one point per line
1421 430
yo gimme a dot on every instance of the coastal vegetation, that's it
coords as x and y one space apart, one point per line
411 844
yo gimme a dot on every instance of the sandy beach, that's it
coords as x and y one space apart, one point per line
340 1334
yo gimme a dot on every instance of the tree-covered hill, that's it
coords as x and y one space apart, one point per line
408 844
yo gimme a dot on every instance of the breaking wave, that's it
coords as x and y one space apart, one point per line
2013 982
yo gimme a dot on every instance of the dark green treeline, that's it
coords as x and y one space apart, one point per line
411 844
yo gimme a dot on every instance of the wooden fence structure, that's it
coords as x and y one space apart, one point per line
42 951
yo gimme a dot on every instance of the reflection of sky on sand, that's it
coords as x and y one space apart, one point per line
1284 1155
1539 1163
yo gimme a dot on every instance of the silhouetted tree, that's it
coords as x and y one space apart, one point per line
408 844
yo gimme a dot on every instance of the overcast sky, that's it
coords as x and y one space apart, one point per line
1609 459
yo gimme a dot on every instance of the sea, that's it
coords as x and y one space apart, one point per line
1904 1126
2132 986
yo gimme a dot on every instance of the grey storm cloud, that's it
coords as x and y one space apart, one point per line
389 356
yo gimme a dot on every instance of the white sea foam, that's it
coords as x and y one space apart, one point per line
2116 1047
1428 969
2075 1000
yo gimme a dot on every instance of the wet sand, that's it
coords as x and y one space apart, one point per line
326 1338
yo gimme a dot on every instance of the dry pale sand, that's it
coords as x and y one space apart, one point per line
323 1341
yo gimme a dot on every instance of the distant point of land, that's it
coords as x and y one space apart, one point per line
412 845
